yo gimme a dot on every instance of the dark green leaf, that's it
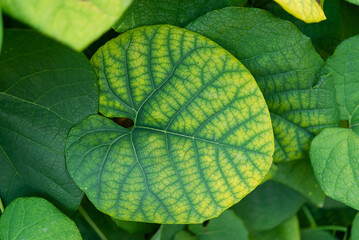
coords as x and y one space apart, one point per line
268 205
228 226
326 35
174 12
288 230
316 235
45 88
299 176
284 64
167 232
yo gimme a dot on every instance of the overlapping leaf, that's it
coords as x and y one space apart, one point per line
335 151
299 176
45 89
75 23
228 226
178 12
326 35
307 10
201 140
284 64
353 1
288 230
36 218
268 205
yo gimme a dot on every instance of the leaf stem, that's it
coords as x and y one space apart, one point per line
92 223
332 228
1 207
309 216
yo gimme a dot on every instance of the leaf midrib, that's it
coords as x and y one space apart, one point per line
199 139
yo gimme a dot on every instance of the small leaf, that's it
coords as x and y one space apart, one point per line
74 23
343 66
45 88
307 10
268 206
353 1
313 234
228 226
36 218
167 231
201 140
299 176
285 69
335 160
184 235
335 151
177 13
355 228
288 230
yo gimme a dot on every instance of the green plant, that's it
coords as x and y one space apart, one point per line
183 110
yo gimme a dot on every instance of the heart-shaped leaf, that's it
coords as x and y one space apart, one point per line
74 23
36 218
202 137
335 151
45 89
307 10
177 13
285 69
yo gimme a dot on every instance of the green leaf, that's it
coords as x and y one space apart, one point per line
227 226
335 151
184 235
36 218
313 234
355 228
335 160
176 164
353 1
45 88
268 206
288 230
74 23
343 67
299 176
167 232
178 12
327 34
307 10
285 69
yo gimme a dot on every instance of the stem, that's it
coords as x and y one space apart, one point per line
329 228
92 223
1 207
309 216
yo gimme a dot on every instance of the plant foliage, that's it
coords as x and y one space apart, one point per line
188 120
